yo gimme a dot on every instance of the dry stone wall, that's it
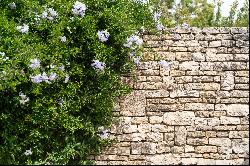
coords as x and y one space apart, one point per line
196 111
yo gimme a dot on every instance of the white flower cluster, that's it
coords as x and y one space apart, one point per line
12 5
103 133
79 9
24 98
156 18
28 152
137 60
23 29
103 35
133 39
2 56
63 39
35 63
165 64
185 25
43 78
144 2
49 14
98 65
66 78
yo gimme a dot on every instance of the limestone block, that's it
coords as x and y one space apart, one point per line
183 56
157 93
180 135
184 93
227 80
178 118
189 149
134 104
197 56
215 44
238 109
199 106
219 57
220 141
163 159
155 119
205 149
229 120
189 65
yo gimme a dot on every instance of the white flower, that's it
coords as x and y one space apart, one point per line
23 29
24 98
137 60
52 66
35 63
2 53
5 58
142 1
103 133
79 9
171 11
63 39
165 64
61 101
159 26
49 14
103 35
62 67
185 25
98 65
36 79
52 76
44 77
12 5
66 79
133 38
156 16
28 152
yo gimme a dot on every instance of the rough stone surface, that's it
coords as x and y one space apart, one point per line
194 113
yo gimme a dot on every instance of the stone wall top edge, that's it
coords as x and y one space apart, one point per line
207 30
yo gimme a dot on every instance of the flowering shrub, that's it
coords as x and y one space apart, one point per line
60 67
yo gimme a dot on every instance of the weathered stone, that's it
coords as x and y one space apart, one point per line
178 118
184 93
144 128
238 110
189 65
238 134
240 145
183 56
227 81
198 56
154 136
177 149
205 149
155 119
163 159
180 135
220 141
197 141
229 120
189 161
139 120
199 106
134 104
130 128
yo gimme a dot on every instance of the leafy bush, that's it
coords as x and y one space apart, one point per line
60 68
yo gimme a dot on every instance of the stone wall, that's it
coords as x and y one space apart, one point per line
196 111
